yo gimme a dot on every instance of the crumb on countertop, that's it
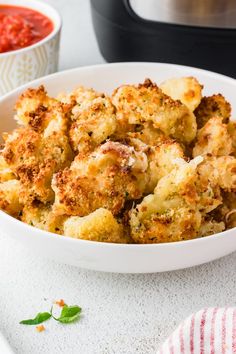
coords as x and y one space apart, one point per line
40 328
60 302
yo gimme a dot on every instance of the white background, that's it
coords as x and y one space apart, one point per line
121 313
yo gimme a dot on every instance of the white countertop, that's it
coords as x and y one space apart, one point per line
121 313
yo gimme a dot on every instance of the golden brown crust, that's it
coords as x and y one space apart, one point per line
212 106
231 128
213 139
92 125
106 178
32 105
220 172
171 213
98 226
34 159
186 89
162 161
127 174
9 197
148 134
42 217
147 103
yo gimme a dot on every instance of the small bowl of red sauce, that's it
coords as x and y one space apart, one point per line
29 42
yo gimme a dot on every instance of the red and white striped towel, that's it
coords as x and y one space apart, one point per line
209 331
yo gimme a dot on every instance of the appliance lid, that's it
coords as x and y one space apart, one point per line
204 13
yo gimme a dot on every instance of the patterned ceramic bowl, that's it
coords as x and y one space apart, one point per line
23 65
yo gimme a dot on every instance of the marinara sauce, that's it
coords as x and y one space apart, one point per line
21 27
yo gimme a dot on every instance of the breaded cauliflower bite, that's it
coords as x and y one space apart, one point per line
231 127
79 98
212 106
42 115
215 175
9 190
42 217
213 139
162 160
171 213
34 159
32 106
92 125
186 89
6 173
147 164
210 226
148 134
100 226
220 172
147 103
9 197
38 150
104 179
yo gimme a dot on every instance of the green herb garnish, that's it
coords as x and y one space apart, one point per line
41 317
69 314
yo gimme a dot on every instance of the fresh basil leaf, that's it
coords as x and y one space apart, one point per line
69 311
41 317
69 319
69 314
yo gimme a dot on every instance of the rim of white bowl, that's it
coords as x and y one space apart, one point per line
115 64
52 235
45 9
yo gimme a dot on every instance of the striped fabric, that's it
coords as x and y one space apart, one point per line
209 331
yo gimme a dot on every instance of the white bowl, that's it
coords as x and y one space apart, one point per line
119 257
20 66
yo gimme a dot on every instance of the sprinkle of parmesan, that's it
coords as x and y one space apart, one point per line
60 303
40 328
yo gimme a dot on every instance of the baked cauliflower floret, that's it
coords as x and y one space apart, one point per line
148 134
231 127
212 106
98 226
6 173
162 160
220 172
34 159
42 217
147 103
114 169
41 113
32 105
209 193
93 125
171 213
79 98
214 175
36 215
213 139
186 89
210 226
106 178
9 197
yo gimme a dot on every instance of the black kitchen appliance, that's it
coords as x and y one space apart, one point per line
199 33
